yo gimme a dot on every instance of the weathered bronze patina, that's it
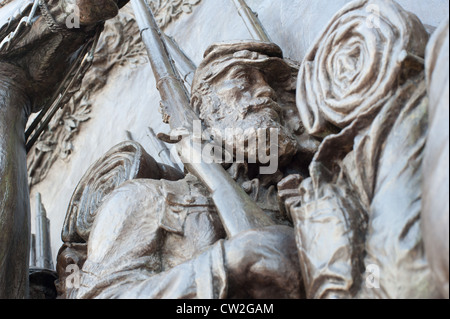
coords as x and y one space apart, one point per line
322 178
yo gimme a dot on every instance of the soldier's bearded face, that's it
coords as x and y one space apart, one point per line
245 102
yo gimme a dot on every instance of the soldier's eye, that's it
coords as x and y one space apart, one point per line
242 76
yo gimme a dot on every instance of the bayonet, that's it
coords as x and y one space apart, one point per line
43 245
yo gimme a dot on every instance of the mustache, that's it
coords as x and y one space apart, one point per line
262 103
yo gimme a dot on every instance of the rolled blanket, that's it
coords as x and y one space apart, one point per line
122 163
357 62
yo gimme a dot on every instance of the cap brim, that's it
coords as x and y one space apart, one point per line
276 70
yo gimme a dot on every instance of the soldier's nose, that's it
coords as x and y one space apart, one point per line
265 91
262 88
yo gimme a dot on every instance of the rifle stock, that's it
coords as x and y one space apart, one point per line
238 212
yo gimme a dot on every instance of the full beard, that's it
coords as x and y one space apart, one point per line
256 137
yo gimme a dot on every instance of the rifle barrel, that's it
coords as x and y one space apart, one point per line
184 65
251 21
167 78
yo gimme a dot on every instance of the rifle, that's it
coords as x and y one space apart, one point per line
237 211
251 21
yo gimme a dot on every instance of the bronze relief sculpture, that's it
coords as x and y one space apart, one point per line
182 239
36 54
351 210
365 184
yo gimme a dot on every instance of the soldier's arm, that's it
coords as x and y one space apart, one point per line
46 52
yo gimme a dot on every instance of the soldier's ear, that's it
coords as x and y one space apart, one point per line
196 103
